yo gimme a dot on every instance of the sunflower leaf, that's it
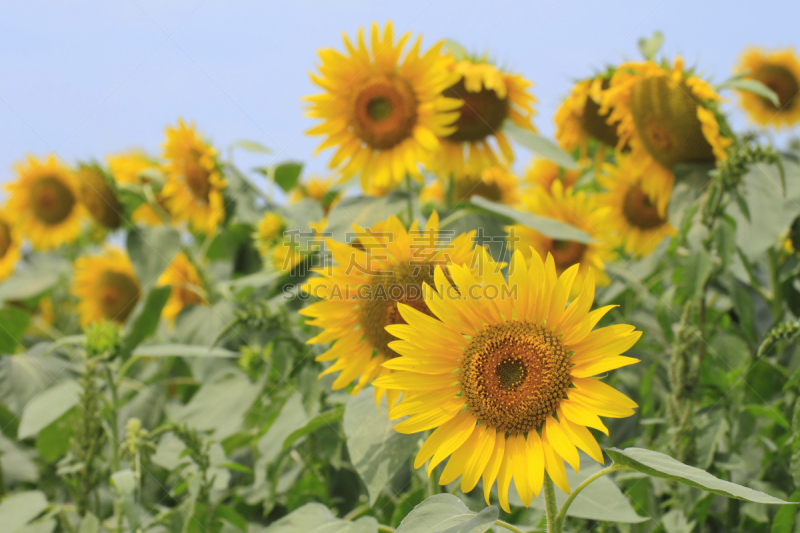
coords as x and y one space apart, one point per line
650 47
146 320
321 420
657 464
555 229
540 145
14 322
251 146
752 86
316 518
446 513
287 175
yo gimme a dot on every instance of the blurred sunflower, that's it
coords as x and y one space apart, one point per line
669 114
543 173
497 184
578 209
9 246
433 193
388 265
490 98
106 287
508 383
780 71
270 230
99 197
193 191
634 215
44 202
317 189
382 113
130 168
579 119
187 286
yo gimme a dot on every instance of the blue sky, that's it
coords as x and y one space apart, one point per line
90 78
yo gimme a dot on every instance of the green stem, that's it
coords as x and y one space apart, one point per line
126 366
433 487
507 526
410 197
387 529
113 422
550 506
558 524
358 511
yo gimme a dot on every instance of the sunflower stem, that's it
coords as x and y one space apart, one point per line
558 523
550 506
410 196
507 526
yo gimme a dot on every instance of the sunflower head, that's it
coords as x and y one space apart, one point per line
98 196
497 184
580 118
187 287
106 287
319 189
270 229
543 173
780 71
382 106
136 168
9 246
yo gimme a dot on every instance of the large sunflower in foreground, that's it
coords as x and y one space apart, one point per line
672 115
44 202
106 287
99 197
578 209
187 286
193 191
386 265
780 71
9 246
490 98
579 119
634 215
383 114
508 383
543 173
130 168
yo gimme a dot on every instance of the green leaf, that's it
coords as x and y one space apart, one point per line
251 146
377 451
540 145
650 47
708 440
182 350
316 518
663 466
287 175
151 250
549 227
47 407
752 86
124 483
229 514
321 420
291 418
145 323
785 517
696 270
444 513
363 211
765 411
35 279
89 524
14 322
53 441
19 509
456 50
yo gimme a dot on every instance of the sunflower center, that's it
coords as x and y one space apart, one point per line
640 211
481 115
514 375
118 295
52 201
595 123
384 111
197 177
665 115
782 83
566 253
99 199
5 238
401 284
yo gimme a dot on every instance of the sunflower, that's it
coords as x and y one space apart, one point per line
270 229
9 246
187 286
634 214
543 173
669 114
44 202
382 113
130 168
490 98
193 191
579 119
433 193
780 71
317 189
578 209
106 287
385 266
99 197
497 184
508 382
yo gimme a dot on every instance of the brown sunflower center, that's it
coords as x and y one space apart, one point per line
5 238
782 83
595 123
665 115
401 284
51 200
99 199
384 111
467 187
566 253
481 115
640 211
118 295
197 176
514 375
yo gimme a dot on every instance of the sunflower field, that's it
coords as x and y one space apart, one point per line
463 327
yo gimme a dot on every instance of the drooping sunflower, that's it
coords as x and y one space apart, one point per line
780 71
99 197
130 168
490 98
579 119
508 382
44 202
672 115
634 215
193 191
384 114
106 287
10 244
542 172
384 266
578 209
187 286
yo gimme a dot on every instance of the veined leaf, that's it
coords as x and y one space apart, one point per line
555 229
445 513
321 420
540 145
752 86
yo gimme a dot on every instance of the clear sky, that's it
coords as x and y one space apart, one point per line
88 78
